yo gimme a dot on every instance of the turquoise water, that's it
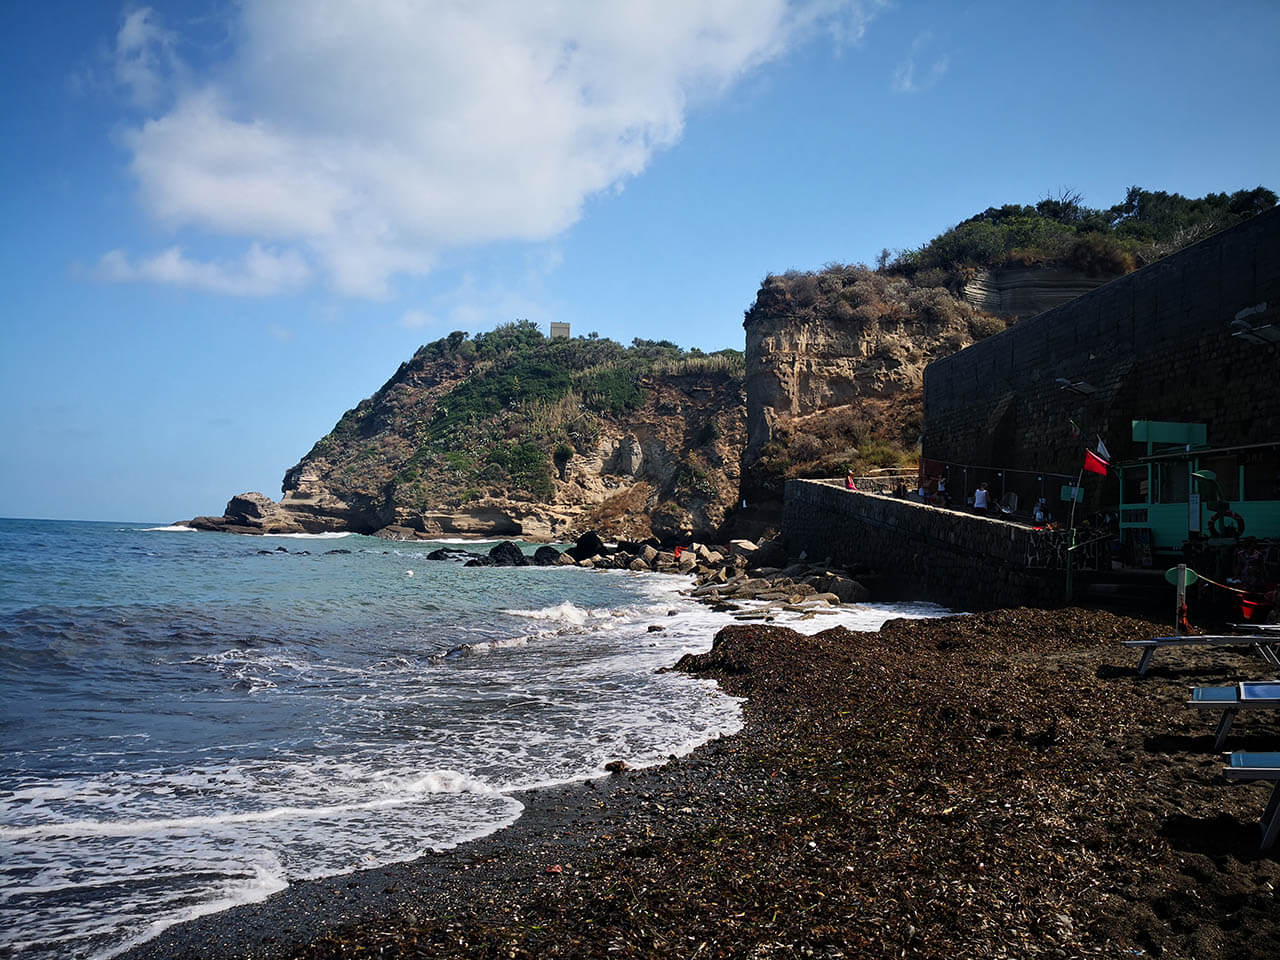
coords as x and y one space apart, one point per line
193 720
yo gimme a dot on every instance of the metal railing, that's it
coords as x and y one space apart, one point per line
1015 488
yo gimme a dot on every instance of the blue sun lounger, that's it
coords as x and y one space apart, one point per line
1267 645
1231 700
1247 766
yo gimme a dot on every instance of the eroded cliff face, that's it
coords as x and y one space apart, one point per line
1019 292
835 365
667 467
835 361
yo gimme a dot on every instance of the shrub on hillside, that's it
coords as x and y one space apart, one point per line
982 325
1099 255
1146 225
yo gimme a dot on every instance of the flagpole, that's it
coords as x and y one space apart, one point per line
1075 495
1071 532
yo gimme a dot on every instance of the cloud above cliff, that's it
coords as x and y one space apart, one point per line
920 70
260 272
374 137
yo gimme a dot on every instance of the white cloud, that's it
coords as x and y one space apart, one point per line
374 136
260 272
145 62
905 78
279 333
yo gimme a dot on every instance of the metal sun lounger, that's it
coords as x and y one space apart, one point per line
1247 766
1231 700
1265 644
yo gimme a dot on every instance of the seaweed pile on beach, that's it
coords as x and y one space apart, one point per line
995 785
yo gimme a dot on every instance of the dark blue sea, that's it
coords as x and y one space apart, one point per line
193 720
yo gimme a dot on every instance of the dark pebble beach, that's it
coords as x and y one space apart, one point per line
994 785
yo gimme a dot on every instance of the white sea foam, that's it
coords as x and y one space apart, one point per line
172 528
265 879
563 612
434 782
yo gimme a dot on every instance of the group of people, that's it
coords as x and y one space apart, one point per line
938 498
982 502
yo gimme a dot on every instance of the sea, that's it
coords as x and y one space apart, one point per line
195 720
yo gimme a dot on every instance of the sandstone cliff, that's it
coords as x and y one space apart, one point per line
835 364
512 435
1020 292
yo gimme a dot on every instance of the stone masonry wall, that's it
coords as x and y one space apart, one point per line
960 560
1155 344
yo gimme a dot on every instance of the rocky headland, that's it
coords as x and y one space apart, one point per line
511 434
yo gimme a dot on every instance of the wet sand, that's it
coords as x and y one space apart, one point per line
995 785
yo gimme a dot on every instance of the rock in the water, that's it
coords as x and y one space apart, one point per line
588 545
507 554
447 553
252 513
546 556
394 531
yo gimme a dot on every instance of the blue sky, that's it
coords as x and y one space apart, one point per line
226 223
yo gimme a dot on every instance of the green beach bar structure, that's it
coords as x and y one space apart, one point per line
1184 490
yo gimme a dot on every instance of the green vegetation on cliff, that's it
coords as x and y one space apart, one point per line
1144 227
498 414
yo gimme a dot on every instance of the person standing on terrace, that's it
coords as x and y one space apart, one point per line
981 502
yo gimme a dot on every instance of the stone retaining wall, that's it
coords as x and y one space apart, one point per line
958 559
1154 345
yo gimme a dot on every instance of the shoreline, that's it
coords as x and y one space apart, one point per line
990 785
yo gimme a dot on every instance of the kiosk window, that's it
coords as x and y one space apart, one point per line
1228 473
1262 475
1174 480
1135 485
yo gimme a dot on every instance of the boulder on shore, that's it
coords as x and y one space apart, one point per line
847 589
